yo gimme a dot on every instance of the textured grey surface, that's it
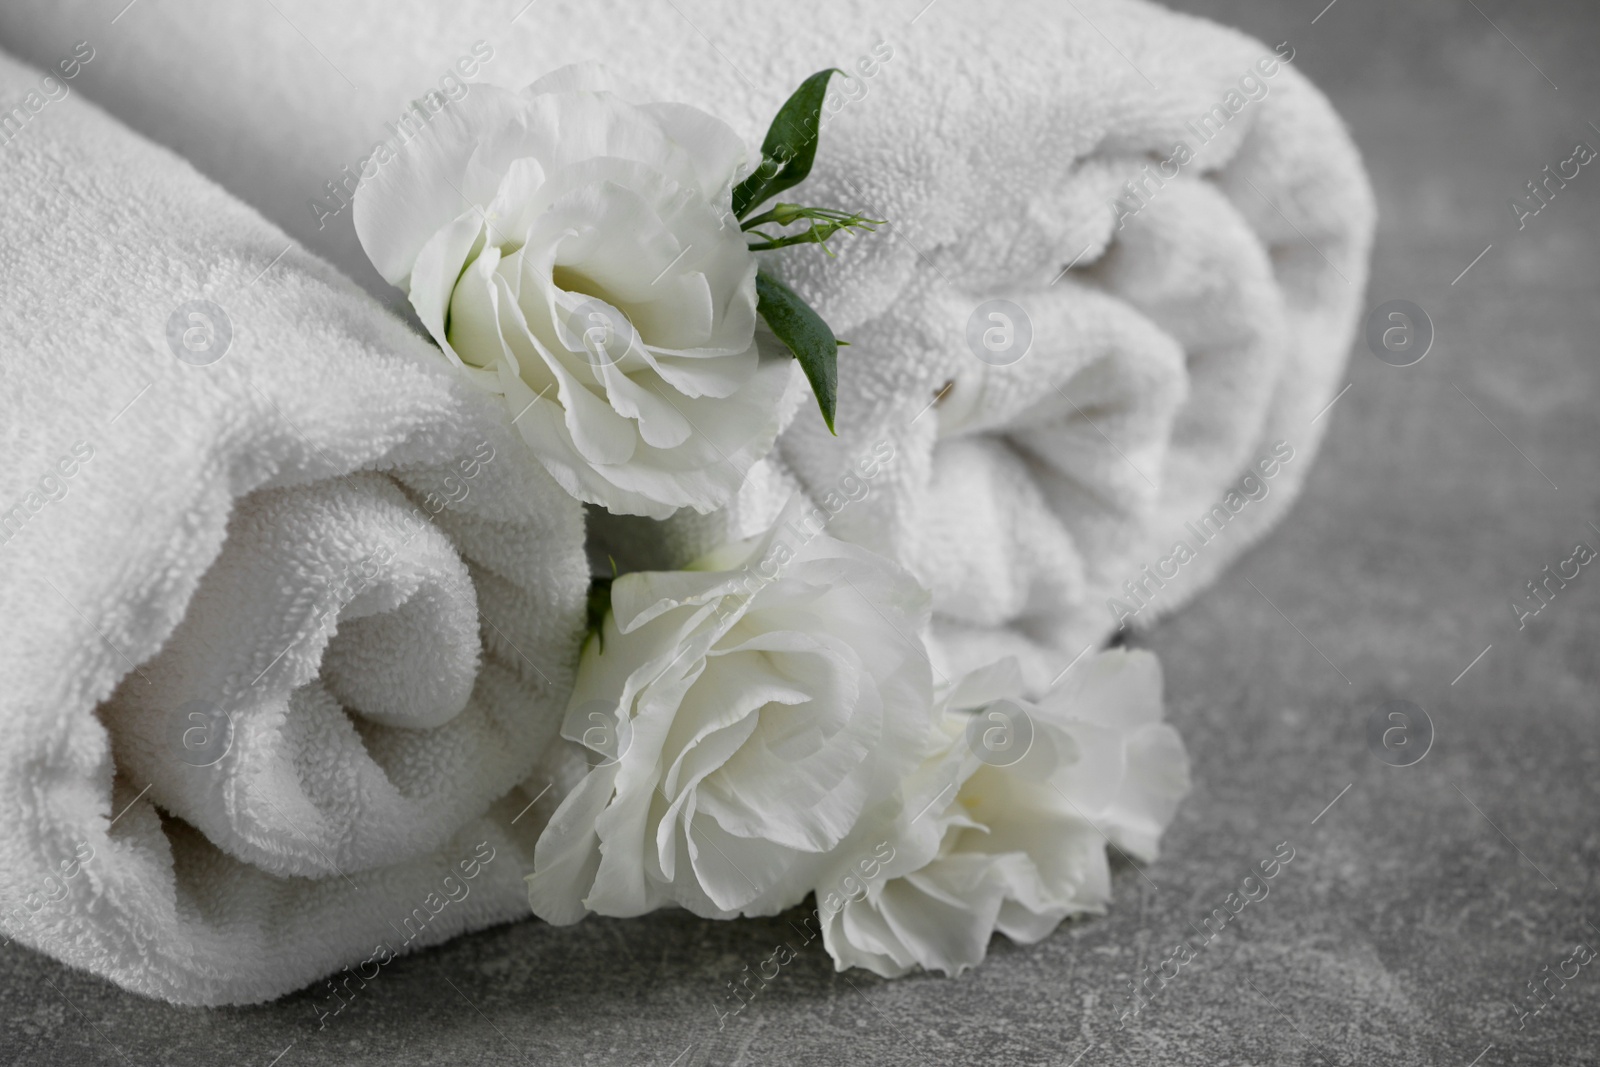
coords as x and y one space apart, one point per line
1419 905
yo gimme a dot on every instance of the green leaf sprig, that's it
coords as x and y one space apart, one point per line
786 157
831 222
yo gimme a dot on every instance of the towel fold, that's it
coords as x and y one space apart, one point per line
334 644
1185 224
290 613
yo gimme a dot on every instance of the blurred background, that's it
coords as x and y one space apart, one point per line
1424 900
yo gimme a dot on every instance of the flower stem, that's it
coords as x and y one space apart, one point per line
827 222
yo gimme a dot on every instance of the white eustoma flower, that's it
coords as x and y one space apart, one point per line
1014 839
747 714
576 253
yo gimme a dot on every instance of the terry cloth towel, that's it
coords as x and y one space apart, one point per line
1188 310
290 616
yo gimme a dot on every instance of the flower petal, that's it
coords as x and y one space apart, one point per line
411 198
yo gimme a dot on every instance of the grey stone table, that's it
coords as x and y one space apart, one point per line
1422 899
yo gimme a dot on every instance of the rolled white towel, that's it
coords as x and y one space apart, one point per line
1197 327
338 632
290 613
1178 335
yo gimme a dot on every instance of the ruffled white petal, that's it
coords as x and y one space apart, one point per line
1023 846
579 247
769 721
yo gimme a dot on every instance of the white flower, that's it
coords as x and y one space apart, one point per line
579 250
1021 845
748 712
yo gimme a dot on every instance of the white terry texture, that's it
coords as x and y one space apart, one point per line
326 533
994 138
1164 363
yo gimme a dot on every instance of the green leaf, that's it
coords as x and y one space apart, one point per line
790 147
808 337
